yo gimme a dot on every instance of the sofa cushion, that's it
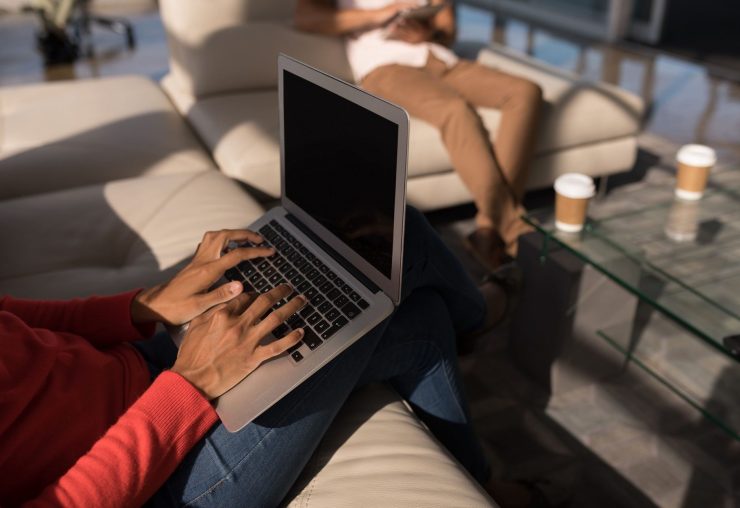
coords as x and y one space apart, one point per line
61 135
377 453
242 129
103 239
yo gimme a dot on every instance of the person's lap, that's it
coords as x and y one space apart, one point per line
258 464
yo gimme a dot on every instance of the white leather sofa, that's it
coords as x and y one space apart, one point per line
104 188
223 79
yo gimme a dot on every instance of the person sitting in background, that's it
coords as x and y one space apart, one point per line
406 61
95 413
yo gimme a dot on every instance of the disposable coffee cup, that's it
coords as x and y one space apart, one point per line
572 194
683 221
694 162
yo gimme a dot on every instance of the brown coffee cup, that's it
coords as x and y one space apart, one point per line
694 162
572 194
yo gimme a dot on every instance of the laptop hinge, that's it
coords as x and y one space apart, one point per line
334 254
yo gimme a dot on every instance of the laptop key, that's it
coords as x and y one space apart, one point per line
270 271
313 318
233 274
276 279
351 311
331 295
330 331
285 268
321 326
301 264
324 307
346 289
306 311
339 282
326 287
331 275
313 272
363 304
311 340
263 266
295 321
281 330
354 296
340 322
318 300
278 261
298 279
332 314
319 281
341 301
303 286
255 278
247 268
311 292
296 356
324 269
291 273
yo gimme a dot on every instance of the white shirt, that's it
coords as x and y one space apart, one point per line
369 50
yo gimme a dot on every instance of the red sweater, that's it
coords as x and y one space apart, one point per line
81 424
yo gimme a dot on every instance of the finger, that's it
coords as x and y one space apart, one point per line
236 256
265 302
279 346
278 316
214 242
240 303
221 294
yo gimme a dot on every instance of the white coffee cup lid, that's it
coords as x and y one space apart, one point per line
575 186
697 155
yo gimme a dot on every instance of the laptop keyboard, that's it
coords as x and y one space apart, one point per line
332 303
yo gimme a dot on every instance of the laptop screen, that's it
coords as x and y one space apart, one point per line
340 167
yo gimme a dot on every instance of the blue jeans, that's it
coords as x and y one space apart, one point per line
414 350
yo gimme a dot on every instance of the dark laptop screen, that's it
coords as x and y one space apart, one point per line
340 167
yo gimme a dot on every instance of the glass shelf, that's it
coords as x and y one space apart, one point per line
681 257
710 383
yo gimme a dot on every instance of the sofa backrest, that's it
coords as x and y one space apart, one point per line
222 46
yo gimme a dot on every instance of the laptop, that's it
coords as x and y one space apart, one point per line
338 232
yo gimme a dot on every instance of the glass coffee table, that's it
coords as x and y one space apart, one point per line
682 260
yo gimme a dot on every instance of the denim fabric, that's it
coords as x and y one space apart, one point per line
414 350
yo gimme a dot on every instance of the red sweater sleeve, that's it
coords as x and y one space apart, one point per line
102 320
137 454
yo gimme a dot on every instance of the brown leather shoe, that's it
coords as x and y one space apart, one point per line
487 248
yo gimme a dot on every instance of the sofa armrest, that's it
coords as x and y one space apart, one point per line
221 46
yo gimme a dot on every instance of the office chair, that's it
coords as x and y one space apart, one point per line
66 32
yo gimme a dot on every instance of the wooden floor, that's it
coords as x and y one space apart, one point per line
589 447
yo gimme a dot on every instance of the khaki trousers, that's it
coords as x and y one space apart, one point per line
495 171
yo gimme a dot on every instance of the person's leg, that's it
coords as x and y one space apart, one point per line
423 93
519 101
417 355
257 465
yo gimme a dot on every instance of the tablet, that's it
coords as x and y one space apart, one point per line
422 12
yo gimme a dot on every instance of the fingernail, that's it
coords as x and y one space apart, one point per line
235 288
260 239
301 332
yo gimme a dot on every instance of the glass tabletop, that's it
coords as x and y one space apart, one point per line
682 257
